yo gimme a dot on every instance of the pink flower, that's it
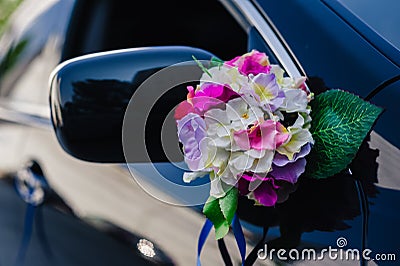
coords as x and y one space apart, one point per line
265 191
268 135
183 109
210 95
218 91
251 63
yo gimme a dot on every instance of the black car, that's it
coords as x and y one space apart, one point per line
89 180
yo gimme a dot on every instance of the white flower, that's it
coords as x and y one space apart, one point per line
190 176
242 115
221 159
295 101
228 177
286 82
267 90
278 72
240 162
299 136
218 127
225 75
219 186
220 165
262 160
216 189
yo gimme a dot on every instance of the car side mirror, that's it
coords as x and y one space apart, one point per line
90 95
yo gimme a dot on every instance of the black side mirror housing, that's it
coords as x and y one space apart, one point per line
89 96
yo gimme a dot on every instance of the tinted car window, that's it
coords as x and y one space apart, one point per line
101 25
31 48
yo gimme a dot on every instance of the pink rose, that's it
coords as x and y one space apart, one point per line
251 63
210 95
218 91
268 135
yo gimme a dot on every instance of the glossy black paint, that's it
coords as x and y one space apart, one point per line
338 49
89 97
329 47
367 20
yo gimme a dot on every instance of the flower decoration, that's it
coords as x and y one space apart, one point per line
252 130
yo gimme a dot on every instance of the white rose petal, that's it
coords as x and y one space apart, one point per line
263 165
295 101
190 176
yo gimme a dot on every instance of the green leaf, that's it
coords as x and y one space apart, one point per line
203 68
340 122
228 204
221 211
214 214
215 61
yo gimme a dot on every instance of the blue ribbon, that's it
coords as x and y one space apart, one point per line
237 231
41 233
27 183
239 237
26 237
205 231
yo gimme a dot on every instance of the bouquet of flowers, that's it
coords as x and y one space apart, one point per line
253 131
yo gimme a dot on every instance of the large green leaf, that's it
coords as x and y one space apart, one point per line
221 211
341 121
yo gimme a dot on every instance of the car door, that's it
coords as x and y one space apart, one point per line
319 213
340 45
104 217
313 217
30 48
106 196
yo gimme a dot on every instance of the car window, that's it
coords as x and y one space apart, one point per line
31 48
101 25
7 9
61 30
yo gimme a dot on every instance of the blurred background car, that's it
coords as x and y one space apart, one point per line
90 210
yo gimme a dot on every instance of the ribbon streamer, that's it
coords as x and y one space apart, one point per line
239 237
205 231
224 252
237 231
26 237
32 188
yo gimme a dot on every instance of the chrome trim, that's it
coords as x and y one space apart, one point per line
88 56
271 36
237 14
